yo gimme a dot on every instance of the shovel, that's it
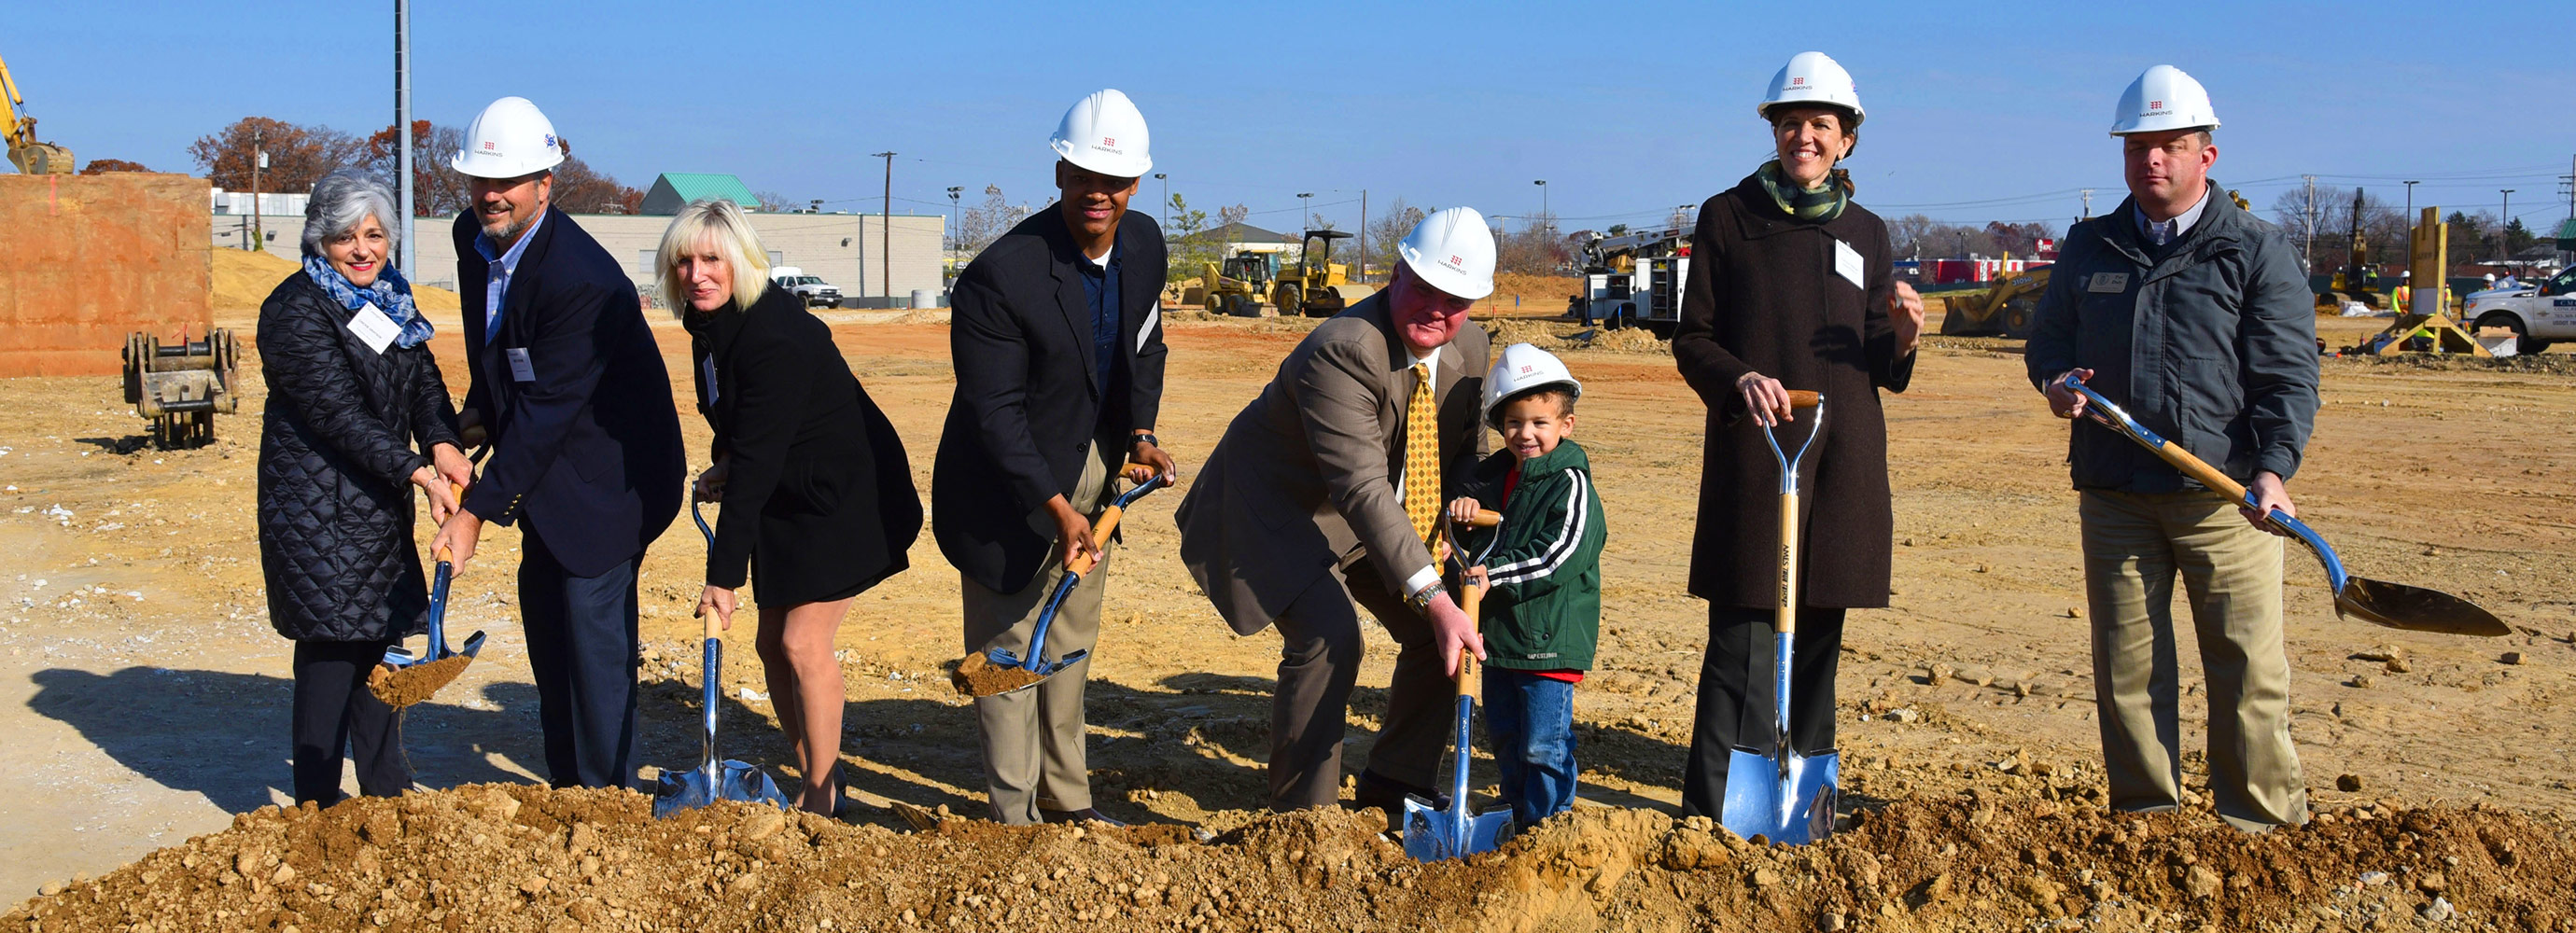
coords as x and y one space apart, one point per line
2378 602
1786 797
404 678
713 779
997 671
1432 834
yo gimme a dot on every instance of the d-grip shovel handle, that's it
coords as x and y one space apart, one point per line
1802 398
1107 523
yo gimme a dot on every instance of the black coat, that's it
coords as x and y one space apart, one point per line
344 429
818 492
1763 297
1028 405
589 450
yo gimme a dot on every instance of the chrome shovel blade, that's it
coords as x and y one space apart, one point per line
1433 835
732 780
1788 801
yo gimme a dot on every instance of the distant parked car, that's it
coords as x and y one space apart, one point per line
817 293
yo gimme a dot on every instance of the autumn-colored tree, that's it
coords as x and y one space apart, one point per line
104 166
580 189
298 156
437 189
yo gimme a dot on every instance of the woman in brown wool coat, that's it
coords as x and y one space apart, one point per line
1790 287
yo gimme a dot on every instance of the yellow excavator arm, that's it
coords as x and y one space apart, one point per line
25 152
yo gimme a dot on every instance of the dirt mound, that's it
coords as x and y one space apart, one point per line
512 858
243 279
1560 337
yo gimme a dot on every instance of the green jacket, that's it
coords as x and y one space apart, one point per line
1544 611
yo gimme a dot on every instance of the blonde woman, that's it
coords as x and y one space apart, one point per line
818 501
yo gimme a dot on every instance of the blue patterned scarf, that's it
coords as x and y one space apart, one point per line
391 293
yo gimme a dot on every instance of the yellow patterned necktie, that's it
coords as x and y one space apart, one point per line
1422 463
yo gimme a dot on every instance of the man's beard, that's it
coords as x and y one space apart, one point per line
507 229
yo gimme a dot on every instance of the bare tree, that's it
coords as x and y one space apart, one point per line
772 202
980 225
438 190
580 189
1535 249
1390 228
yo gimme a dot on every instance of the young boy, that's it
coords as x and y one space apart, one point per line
1542 615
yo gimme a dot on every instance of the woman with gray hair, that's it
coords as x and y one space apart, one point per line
356 414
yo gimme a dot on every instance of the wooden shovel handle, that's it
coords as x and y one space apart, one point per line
2201 470
1485 518
1802 398
1471 598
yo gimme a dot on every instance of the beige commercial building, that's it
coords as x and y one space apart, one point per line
851 251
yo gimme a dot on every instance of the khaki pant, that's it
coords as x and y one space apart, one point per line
2134 546
1033 738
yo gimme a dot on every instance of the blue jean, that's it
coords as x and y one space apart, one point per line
1529 722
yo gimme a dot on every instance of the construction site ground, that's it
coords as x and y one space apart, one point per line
148 699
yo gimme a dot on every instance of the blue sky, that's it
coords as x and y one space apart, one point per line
1977 111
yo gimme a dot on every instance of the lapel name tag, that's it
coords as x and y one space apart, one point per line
520 369
1847 264
707 377
374 328
2107 282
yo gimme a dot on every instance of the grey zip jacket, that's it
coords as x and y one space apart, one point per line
2209 340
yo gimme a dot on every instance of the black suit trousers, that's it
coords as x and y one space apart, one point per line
335 710
583 646
1736 708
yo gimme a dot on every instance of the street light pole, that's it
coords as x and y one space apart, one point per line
1544 220
885 247
956 229
410 257
258 160
1163 215
1304 216
2410 206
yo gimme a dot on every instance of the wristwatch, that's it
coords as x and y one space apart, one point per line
1421 602
1147 439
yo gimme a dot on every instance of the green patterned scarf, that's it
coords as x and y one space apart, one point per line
1821 203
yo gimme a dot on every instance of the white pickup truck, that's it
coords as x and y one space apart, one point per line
812 288
2538 314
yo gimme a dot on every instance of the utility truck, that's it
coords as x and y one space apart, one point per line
815 291
2537 314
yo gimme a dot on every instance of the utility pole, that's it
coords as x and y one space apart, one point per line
2088 204
2307 250
410 259
1363 232
2410 200
886 244
258 160
2504 239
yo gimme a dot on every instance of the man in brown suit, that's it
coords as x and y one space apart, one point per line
1325 489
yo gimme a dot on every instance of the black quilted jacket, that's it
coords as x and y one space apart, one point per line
345 428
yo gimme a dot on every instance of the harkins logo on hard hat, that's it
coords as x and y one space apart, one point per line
1797 81
488 147
1456 262
2155 105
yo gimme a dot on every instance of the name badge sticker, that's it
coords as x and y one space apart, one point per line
2108 283
1847 264
520 369
374 328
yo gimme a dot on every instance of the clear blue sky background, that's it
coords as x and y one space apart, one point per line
1992 111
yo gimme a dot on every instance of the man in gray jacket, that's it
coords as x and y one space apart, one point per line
2195 317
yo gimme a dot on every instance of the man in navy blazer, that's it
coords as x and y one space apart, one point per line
586 451
1057 337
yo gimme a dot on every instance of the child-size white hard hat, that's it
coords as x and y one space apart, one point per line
1812 79
508 139
1522 368
1104 133
1453 251
2163 98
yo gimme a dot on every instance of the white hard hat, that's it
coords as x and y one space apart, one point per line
1452 250
2163 98
508 139
1812 78
1522 368
1104 133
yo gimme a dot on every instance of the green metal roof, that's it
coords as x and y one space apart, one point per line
674 189
2567 234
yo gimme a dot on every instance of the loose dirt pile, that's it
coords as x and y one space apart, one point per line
976 676
513 858
1560 337
414 684
243 279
